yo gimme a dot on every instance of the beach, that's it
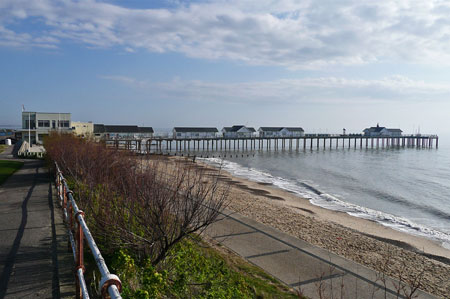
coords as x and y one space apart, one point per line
369 243
391 252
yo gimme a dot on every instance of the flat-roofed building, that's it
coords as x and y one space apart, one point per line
37 125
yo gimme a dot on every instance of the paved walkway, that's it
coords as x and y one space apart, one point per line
34 261
315 271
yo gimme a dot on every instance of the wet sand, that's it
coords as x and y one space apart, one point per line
369 243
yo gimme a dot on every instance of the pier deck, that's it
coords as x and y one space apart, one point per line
324 141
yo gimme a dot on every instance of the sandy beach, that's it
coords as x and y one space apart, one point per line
391 252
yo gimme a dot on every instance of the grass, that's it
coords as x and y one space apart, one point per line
7 168
2 147
195 269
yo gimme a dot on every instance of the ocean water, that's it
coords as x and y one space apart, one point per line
407 189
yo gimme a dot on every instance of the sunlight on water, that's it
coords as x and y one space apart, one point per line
406 189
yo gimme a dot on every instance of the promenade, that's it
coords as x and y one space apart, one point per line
299 264
34 261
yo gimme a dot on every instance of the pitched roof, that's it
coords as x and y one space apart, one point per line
237 128
271 129
197 130
121 129
146 130
295 129
375 129
394 130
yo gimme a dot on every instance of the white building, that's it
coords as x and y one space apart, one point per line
281 132
122 131
37 125
382 132
192 133
239 131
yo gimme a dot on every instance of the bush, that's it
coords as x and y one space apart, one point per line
132 203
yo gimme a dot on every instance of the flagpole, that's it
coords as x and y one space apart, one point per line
29 129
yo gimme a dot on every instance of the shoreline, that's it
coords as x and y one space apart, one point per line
394 253
371 228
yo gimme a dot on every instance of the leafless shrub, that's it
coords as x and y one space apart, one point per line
146 206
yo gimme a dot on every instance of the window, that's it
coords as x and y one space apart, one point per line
28 122
43 123
63 123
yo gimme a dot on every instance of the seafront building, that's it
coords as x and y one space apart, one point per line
37 125
83 129
238 131
382 132
194 132
281 132
102 131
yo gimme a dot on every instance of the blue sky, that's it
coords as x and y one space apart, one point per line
323 65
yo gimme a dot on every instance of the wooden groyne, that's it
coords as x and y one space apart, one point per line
319 141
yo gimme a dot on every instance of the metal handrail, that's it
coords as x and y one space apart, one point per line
109 283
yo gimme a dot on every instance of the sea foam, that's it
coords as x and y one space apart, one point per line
309 190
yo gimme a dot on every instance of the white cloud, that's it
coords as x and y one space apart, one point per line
329 90
293 34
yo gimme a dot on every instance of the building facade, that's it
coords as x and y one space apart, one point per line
83 129
382 132
121 132
281 132
238 131
192 133
37 125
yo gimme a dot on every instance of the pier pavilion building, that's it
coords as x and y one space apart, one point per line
238 131
194 132
281 132
382 132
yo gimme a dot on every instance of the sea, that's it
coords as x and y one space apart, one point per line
407 189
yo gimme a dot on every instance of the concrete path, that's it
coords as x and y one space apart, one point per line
34 261
315 271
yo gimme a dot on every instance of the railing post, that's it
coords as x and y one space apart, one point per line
64 198
80 253
70 220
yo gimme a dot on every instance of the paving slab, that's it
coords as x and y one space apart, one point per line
314 271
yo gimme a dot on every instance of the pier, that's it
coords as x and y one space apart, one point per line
310 141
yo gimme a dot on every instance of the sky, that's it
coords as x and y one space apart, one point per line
323 65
